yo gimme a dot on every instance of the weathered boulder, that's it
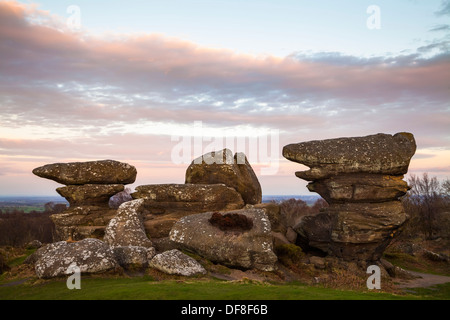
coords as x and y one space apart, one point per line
126 228
133 257
380 154
176 262
77 223
221 167
361 179
89 194
167 203
252 249
90 255
91 172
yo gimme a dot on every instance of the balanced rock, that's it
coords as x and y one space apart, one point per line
89 186
167 203
90 194
379 154
361 179
176 262
90 255
233 171
248 249
126 228
91 172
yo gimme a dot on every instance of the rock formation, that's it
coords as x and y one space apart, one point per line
167 203
233 171
126 228
89 185
361 179
236 248
133 257
90 255
91 172
176 262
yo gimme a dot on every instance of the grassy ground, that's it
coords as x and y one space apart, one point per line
146 288
21 284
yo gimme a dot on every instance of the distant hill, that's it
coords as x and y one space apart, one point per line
28 203
309 199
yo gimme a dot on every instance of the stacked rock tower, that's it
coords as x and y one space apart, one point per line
361 179
89 186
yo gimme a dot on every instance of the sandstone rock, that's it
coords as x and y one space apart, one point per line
272 211
361 179
245 249
221 167
314 232
126 228
379 154
164 244
81 222
133 257
318 262
35 244
190 197
176 262
351 231
90 255
360 188
91 172
365 222
167 203
90 194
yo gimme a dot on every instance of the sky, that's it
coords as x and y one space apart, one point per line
158 83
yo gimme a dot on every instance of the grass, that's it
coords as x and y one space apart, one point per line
437 292
146 288
16 261
23 285
417 263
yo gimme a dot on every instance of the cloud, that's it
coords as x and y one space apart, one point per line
444 10
440 27
72 95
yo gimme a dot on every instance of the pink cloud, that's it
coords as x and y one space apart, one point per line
56 79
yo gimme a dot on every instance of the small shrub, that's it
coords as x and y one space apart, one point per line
289 254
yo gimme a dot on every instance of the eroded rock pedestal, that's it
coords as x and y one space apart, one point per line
361 179
89 186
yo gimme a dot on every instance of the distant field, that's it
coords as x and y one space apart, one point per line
310 199
27 204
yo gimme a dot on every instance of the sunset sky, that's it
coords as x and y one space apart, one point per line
126 80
